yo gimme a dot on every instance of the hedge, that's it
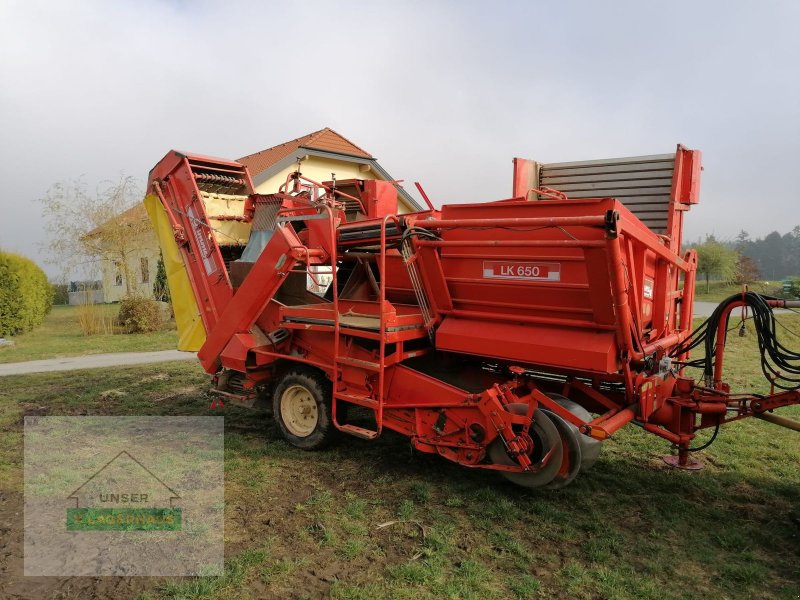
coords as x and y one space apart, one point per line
138 314
25 294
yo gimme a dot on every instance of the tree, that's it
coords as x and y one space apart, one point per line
85 229
776 255
746 270
794 252
742 241
715 259
161 286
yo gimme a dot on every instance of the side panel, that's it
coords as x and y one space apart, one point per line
561 347
499 272
526 177
191 333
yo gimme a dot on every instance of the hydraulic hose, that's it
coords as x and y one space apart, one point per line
780 365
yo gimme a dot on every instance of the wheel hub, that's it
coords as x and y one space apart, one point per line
299 411
544 437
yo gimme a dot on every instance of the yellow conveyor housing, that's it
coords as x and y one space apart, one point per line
191 332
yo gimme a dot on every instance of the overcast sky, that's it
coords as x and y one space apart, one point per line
441 92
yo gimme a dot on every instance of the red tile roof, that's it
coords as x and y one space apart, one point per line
324 139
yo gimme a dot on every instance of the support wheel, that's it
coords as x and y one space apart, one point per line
571 461
302 408
545 438
590 448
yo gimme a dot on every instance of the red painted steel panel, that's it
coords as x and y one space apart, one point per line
534 345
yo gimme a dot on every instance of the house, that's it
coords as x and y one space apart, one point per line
318 155
132 259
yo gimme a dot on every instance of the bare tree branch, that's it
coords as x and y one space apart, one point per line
107 226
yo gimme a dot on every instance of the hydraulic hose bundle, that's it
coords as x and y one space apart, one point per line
779 364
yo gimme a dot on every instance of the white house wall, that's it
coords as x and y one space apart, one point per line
113 292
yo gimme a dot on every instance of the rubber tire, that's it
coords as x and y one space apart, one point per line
546 431
590 448
572 448
321 390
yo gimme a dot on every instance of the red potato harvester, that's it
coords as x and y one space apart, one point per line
513 336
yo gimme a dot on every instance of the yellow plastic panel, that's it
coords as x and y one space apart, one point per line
191 332
227 233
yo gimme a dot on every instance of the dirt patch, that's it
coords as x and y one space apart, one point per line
17 586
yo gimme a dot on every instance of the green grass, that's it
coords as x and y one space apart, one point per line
719 290
60 335
306 524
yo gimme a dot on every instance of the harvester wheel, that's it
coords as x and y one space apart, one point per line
545 438
590 448
571 461
302 409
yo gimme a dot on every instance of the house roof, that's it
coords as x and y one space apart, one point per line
325 139
135 213
326 143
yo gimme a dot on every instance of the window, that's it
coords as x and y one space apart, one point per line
145 264
117 274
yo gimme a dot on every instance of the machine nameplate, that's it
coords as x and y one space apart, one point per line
521 270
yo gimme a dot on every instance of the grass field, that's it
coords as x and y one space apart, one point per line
719 290
306 525
60 335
